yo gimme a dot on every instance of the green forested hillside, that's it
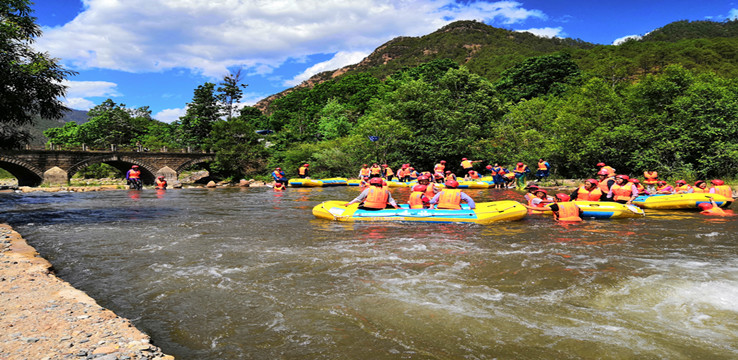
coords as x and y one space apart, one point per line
41 125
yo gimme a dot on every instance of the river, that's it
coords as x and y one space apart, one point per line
250 273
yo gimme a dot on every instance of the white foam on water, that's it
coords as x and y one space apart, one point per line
712 234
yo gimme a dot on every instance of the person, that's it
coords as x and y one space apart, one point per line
720 188
610 170
712 208
387 172
431 189
375 170
700 187
605 181
539 201
488 170
279 176
498 176
564 210
641 189
303 171
440 168
543 169
438 178
412 174
418 199
622 191
451 197
587 192
375 197
472 175
531 193
682 187
509 177
364 172
651 179
521 170
467 164
279 186
133 177
161 183
403 173
449 176
662 187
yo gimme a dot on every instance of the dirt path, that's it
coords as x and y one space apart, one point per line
43 317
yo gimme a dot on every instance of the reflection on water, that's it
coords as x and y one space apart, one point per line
250 273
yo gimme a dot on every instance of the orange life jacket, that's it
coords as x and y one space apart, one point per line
450 177
520 168
651 177
450 199
416 200
466 164
388 172
622 192
302 170
376 170
364 172
568 212
439 168
684 188
473 174
724 190
610 170
542 165
584 194
161 184
641 189
429 191
715 210
699 190
278 186
276 174
376 198
134 174
603 185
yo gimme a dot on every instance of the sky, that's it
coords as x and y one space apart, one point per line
156 52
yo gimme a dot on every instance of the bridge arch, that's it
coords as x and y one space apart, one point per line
27 174
122 163
192 162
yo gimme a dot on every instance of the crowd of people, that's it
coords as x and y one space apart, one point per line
609 186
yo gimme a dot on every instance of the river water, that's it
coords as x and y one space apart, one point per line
250 273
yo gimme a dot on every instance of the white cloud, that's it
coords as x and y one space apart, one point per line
78 103
623 39
733 14
207 36
339 60
169 115
547 32
78 91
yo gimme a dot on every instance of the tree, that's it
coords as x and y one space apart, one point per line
30 81
230 92
537 76
237 148
202 112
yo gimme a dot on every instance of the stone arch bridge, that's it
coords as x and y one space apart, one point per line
35 167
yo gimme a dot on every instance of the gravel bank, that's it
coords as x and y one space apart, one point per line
43 317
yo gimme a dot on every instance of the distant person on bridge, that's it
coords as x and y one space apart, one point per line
133 177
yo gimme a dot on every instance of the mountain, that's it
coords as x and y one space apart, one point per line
40 124
488 51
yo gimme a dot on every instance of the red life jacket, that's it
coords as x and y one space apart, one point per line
134 174
376 198
450 199
568 212
520 168
161 184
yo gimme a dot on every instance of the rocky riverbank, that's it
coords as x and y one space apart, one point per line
44 317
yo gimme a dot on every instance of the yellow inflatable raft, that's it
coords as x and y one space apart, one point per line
485 213
679 201
317 182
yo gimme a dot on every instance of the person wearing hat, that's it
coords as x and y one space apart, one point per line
700 187
451 197
639 186
662 187
375 197
498 176
387 172
364 173
719 187
279 176
431 189
588 192
449 176
467 165
375 170
521 170
303 171
161 183
610 170
605 181
543 169
418 198
682 187
623 191
440 168
133 177
713 209
472 175
538 202
564 210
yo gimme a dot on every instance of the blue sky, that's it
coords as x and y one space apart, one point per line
156 52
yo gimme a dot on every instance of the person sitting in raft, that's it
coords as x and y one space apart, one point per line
467 164
451 197
700 187
639 186
418 198
682 187
438 178
472 175
588 192
623 191
539 201
521 170
161 183
431 189
413 175
720 188
605 181
543 170
303 171
279 176
279 186
387 172
713 209
662 187
449 176
440 168
610 170
364 172
375 197
564 210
